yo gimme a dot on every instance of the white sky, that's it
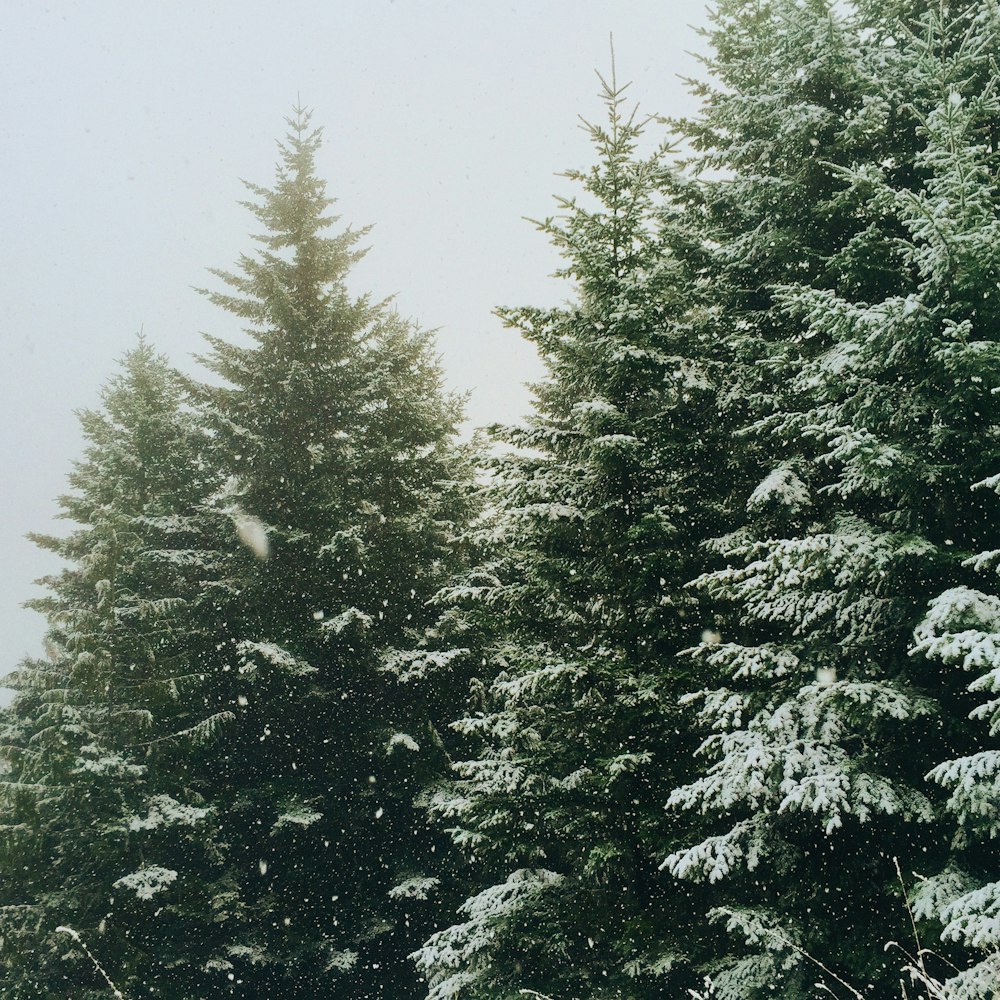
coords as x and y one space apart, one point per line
126 126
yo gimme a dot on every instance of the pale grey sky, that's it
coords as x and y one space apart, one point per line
126 126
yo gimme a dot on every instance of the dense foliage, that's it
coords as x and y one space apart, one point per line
334 438
598 503
686 683
879 418
102 803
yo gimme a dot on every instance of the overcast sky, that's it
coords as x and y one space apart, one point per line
126 127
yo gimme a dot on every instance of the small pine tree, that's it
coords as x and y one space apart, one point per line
101 824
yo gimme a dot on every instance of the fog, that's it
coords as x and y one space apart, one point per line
126 128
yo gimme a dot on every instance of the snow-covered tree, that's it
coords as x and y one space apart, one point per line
595 508
102 828
787 99
823 726
962 629
344 488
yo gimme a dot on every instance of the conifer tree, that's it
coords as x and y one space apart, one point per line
824 726
597 506
962 626
103 830
335 438
962 629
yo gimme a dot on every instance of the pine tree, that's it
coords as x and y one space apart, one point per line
794 92
101 824
962 629
596 508
336 440
824 726
962 625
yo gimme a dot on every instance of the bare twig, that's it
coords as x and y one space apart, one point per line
788 942
97 965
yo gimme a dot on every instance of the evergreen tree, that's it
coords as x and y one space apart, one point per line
962 625
597 504
336 440
823 725
103 830
962 629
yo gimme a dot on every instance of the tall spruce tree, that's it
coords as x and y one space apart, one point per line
336 440
824 726
962 627
103 830
597 506
786 100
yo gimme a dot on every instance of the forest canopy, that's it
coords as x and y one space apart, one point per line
685 685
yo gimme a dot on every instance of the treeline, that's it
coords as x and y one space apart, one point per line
688 683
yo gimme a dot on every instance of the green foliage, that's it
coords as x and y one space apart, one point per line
664 688
334 439
596 507
210 780
876 411
97 792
